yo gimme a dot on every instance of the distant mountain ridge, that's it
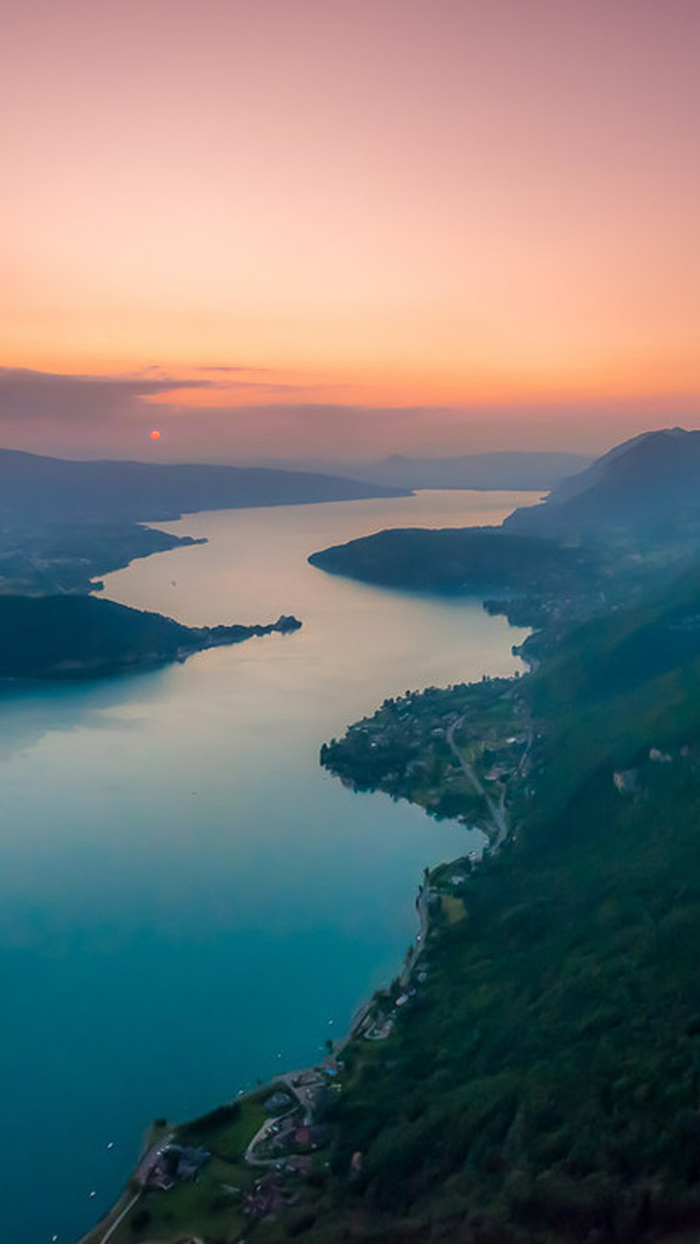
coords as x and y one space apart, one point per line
506 469
649 482
35 489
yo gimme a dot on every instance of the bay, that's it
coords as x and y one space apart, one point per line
187 901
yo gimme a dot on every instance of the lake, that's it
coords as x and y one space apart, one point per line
187 901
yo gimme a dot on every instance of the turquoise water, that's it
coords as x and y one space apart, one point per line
187 901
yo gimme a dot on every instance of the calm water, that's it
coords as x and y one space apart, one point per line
187 901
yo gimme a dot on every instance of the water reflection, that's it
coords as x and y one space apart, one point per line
29 710
184 893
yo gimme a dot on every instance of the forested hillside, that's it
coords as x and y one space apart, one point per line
81 637
544 1082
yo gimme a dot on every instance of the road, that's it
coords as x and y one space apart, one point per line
497 812
304 1093
127 1210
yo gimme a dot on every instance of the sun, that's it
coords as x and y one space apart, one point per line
155 434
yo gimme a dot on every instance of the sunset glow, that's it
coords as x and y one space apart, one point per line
488 209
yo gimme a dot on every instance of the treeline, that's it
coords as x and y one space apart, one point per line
544 1083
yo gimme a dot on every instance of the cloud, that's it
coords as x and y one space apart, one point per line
27 395
91 416
37 395
227 368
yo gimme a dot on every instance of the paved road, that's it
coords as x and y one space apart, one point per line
304 1094
150 1157
127 1210
497 812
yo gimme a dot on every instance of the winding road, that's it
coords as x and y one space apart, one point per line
497 812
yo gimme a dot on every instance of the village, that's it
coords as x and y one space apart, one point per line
464 752
275 1140
269 1140
461 753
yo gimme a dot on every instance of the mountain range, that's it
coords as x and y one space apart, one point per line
508 469
650 483
35 489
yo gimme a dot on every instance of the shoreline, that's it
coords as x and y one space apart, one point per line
433 889
128 1199
101 1232
407 965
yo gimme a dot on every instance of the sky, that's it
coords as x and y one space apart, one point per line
320 228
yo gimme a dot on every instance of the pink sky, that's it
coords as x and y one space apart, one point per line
407 224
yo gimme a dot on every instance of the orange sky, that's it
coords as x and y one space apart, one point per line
484 206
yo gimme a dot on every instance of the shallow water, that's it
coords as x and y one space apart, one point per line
187 901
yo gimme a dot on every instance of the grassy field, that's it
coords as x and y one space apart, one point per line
211 1206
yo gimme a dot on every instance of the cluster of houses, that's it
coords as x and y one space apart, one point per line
268 1196
279 1102
412 733
378 1025
288 1145
293 1136
296 1108
169 1164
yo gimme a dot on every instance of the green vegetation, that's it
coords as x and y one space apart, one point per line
546 1085
44 561
544 1082
534 581
227 1130
533 1074
647 486
81 637
456 752
471 559
213 1204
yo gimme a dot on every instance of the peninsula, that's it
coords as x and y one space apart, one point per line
532 1073
72 637
71 557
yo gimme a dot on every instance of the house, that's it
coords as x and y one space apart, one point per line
175 1164
278 1103
190 1161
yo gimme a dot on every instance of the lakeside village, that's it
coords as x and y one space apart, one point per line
463 752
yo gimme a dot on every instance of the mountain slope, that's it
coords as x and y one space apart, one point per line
542 1085
81 637
520 469
453 560
648 484
34 489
